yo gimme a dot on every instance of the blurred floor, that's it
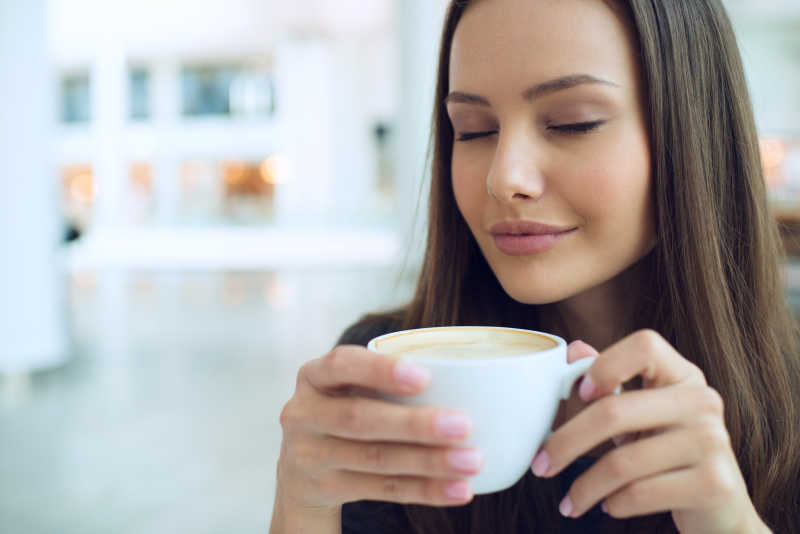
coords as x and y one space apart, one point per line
166 419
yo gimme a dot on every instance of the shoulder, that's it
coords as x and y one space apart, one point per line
370 326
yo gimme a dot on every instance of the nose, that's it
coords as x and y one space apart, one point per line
515 175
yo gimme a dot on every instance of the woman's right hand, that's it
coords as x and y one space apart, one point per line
341 444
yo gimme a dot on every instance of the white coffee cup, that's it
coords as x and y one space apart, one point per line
509 381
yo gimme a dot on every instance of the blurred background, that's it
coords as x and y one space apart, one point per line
199 196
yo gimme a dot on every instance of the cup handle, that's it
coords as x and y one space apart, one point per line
574 371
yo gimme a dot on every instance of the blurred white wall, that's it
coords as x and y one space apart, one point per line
420 25
31 314
769 40
203 28
336 67
322 52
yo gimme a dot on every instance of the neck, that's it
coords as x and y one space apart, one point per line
599 316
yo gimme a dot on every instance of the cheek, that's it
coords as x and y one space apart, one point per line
469 188
614 193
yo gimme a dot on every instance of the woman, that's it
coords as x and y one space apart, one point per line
620 133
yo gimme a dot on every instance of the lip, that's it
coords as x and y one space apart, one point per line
519 238
527 228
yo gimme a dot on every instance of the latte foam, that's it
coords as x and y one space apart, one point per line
468 343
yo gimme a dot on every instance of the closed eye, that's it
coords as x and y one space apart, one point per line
574 128
567 129
468 136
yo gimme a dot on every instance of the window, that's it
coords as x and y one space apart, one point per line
75 101
78 194
249 190
252 93
226 90
206 90
231 191
139 82
140 194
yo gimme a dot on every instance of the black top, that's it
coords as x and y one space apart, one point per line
376 517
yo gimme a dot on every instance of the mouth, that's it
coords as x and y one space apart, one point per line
521 227
522 244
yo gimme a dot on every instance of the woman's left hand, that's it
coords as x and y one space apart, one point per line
682 460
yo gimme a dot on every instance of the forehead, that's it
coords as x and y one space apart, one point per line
510 44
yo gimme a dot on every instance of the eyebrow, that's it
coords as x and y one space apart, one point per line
531 93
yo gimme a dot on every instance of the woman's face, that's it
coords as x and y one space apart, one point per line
546 107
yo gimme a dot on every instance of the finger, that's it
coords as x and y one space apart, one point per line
393 458
667 451
644 353
577 350
351 486
352 365
377 420
705 485
632 411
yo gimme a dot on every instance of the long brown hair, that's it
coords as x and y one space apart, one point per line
714 275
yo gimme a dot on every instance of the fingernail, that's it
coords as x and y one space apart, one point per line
454 425
411 375
604 507
540 464
459 491
565 507
465 459
586 389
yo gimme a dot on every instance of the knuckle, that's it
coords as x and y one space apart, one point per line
392 488
374 456
302 373
431 491
619 464
380 369
649 340
285 416
420 491
336 360
720 480
712 401
351 417
419 423
436 463
611 411
715 437
636 496
696 374
288 417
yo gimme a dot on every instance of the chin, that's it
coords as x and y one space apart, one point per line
531 294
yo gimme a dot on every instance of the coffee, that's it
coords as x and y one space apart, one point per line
466 343
508 381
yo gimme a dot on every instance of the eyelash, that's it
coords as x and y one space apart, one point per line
566 129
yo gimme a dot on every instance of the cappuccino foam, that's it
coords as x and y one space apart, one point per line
465 344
